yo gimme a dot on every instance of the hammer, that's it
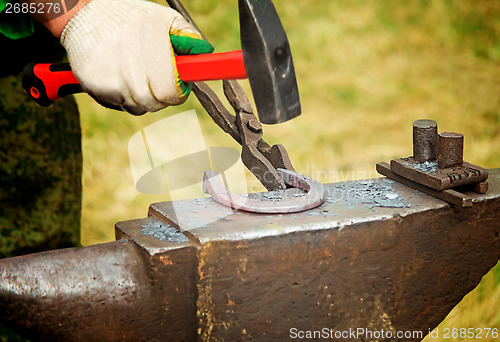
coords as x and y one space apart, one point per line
265 59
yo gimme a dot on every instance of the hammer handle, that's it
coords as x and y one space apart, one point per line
45 82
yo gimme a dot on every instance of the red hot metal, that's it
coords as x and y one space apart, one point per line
314 194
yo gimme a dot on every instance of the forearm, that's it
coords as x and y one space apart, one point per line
53 14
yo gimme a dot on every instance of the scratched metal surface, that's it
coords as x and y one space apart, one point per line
346 204
140 232
377 254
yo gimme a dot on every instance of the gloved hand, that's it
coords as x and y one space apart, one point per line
122 53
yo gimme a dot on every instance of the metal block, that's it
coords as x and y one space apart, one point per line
429 174
425 140
448 195
451 150
481 187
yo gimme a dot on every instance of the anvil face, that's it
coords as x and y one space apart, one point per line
365 258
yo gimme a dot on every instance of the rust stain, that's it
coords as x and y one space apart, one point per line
327 253
242 244
229 301
201 264
426 309
442 273
165 260
242 267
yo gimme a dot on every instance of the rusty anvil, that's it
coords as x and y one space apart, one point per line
354 262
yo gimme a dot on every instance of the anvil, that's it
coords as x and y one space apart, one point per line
376 255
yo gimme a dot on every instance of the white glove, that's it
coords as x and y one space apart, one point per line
120 51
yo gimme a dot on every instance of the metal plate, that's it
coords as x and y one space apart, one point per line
430 175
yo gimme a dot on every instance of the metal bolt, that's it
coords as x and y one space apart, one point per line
425 140
481 187
254 125
451 149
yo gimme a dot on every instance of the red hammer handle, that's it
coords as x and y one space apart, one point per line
211 66
45 83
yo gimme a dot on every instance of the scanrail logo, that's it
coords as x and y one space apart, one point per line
170 157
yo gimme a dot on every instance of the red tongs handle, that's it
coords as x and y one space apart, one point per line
45 82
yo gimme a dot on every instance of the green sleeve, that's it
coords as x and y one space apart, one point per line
14 26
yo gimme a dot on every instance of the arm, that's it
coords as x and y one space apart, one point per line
122 53
53 21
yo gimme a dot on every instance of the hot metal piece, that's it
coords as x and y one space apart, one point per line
425 140
451 149
314 194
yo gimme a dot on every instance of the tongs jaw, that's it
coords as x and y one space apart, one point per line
257 155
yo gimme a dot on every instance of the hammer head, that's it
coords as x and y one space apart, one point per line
268 62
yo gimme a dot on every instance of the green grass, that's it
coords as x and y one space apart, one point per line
366 70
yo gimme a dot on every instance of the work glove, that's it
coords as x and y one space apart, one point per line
122 53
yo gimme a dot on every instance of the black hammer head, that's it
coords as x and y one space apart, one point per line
268 62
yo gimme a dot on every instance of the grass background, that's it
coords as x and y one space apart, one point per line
366 70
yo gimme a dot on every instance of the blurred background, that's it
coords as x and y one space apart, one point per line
365 70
